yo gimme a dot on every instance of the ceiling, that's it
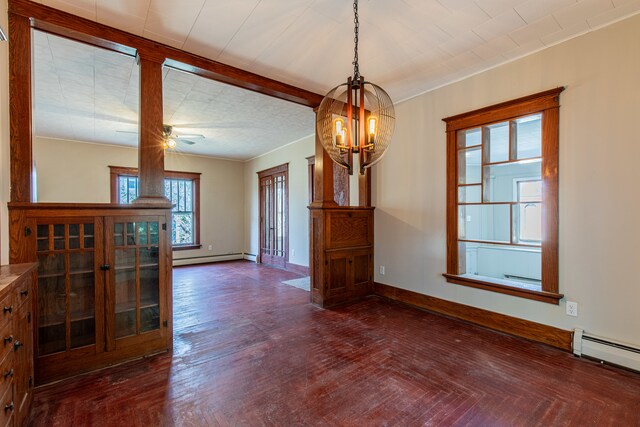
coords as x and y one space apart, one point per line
406 46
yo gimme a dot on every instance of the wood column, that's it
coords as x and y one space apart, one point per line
364 189
323 193
21 157
150 144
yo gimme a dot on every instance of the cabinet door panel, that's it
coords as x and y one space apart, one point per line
338 273
361 269
134 306
69 286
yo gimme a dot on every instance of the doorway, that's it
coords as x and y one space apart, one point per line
274 216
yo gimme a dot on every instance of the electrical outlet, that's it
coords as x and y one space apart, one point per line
382 270
572 308
293 252
210 247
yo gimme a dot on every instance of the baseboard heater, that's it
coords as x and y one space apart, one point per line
606 350
206 259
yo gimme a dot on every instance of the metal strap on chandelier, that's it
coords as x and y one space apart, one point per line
355 117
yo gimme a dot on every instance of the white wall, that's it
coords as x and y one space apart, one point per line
4 138
599 154
295 154
71 171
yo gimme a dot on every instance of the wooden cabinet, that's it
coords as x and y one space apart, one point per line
348 272
342 254
16 347
103 284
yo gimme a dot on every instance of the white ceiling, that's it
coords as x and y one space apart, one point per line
406 46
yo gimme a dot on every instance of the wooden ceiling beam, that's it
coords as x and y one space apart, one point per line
84 30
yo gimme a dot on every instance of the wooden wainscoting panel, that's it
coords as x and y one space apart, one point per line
545 334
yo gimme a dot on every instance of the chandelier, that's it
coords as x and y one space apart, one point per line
356 117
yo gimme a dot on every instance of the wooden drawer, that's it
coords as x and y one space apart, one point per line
6 308
6 374
7 408
21 292
6 340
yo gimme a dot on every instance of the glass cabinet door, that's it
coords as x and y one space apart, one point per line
136 276
66 286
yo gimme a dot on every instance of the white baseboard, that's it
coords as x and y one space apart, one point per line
621 354
250 257
204 260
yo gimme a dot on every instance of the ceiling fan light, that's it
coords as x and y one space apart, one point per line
171 143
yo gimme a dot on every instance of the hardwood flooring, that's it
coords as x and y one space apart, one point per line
251 351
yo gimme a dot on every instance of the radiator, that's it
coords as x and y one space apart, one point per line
606 350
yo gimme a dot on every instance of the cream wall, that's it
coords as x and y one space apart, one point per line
4 138
295 155
599 176
71 171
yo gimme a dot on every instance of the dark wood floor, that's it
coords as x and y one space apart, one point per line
252 351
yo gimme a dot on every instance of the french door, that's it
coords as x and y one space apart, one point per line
274 213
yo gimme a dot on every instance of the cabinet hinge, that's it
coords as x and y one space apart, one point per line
27 231
165 323
164 226
29 317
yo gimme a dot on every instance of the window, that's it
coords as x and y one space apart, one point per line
502 198
181 188
528 217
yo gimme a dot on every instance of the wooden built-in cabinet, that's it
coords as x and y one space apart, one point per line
16 347
342 254
103 283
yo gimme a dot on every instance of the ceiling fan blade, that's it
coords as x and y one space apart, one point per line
186 141
189 136
126 131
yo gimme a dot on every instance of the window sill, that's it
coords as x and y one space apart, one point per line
543 296
185 247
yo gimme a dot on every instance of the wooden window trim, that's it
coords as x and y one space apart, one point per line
116 171
547 103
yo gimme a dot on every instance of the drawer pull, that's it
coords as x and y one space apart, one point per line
8 373
8 339
24 293
9 309
17 345
8 407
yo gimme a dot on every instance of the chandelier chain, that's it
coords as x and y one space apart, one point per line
356 28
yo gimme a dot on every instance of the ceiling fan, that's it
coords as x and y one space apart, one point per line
171 138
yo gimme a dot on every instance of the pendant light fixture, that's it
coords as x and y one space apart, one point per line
356 117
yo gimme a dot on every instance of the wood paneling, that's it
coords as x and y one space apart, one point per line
277 360
511 325
20 106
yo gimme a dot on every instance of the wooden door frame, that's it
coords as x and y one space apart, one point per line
283 168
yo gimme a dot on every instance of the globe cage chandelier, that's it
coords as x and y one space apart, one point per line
356 117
